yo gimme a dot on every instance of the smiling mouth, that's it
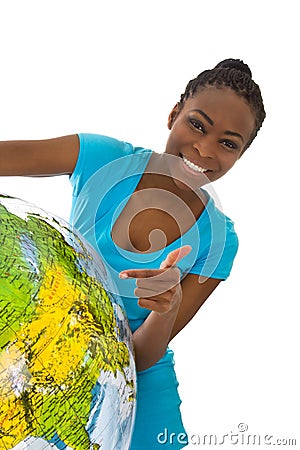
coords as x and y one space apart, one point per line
193 166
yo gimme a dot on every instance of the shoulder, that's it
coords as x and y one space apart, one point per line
219 226
217 243
103 148
97 152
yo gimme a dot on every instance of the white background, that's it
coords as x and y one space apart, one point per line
117 68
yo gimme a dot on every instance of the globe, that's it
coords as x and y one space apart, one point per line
67 373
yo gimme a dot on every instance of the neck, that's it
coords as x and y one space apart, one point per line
158 175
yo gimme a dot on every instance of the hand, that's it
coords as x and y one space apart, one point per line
159 289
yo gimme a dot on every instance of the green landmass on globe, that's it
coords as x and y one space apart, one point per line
59 331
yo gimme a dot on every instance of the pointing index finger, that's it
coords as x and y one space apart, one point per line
170 261
139 273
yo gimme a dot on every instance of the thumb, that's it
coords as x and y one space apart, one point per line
175 256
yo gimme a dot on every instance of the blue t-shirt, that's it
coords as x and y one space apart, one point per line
106 175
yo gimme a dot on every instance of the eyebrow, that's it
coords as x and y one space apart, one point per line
211 122
233 133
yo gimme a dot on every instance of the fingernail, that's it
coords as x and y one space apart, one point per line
123 275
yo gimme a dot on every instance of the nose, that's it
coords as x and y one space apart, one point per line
205 149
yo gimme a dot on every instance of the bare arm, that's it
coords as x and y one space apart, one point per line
152 338
194 294
47 157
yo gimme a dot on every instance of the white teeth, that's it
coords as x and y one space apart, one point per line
193 166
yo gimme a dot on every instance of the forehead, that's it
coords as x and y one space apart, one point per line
225 107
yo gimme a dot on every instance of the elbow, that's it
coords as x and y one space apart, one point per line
144 364
144 361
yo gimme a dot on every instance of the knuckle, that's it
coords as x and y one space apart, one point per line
165 307
167 303
138 292
170 293
168 297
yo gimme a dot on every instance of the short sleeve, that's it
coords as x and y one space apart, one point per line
219 257
218 244
95 151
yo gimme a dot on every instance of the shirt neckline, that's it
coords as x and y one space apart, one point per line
135 181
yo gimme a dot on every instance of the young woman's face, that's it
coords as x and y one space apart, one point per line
209 132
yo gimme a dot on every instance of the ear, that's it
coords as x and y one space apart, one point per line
172 116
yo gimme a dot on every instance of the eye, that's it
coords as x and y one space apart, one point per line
198 125
230 145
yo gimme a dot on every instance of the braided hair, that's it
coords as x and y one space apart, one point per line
236 75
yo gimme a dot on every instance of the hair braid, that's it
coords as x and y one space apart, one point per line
236 75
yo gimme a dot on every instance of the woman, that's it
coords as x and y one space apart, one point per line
164 240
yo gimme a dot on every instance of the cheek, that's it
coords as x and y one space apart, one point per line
227 161
173 143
